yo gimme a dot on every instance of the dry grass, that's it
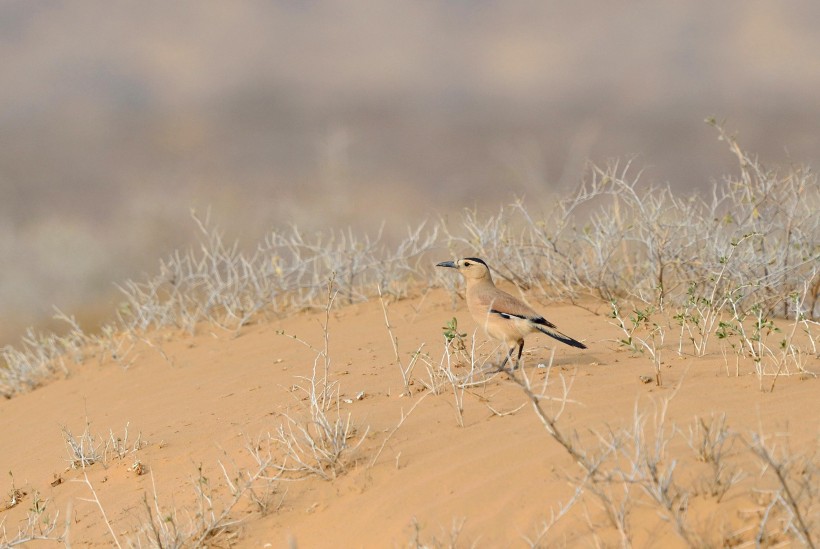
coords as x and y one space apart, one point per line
622 469
749 249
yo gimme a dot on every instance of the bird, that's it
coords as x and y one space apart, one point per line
502 316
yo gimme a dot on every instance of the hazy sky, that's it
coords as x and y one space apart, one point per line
117 118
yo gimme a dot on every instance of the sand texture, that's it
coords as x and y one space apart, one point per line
446 465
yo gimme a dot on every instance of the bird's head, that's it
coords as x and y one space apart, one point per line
469 267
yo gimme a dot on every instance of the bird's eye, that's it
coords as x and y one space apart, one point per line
467 263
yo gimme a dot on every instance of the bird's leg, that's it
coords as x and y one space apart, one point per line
506 359
520 345
520 350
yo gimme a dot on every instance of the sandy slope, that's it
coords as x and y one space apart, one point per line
198 400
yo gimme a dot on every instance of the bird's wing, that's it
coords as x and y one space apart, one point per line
540 320
507 306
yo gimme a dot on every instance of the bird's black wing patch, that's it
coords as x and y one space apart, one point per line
505 315
543 322
534 319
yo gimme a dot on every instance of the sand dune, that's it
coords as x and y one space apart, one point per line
491 474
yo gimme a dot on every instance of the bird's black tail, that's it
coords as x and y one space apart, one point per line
559 336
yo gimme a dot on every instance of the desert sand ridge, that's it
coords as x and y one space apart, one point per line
490 475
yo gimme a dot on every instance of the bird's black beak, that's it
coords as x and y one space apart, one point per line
446 264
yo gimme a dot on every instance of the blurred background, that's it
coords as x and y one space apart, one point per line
116 119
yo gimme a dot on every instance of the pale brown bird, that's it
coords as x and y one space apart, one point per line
501 315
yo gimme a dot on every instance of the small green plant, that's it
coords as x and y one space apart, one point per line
38 505
37 526
637 320
15 495
452 336
641 320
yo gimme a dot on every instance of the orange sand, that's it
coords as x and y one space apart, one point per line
198 400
